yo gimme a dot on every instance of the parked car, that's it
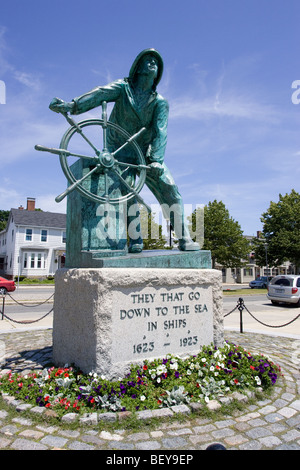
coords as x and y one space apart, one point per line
285 288
260 282
6 286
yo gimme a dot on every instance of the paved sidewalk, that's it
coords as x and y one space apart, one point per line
270 424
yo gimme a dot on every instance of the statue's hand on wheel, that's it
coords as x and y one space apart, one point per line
60 106
156 168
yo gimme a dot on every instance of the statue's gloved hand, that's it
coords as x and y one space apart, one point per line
60 106
156 169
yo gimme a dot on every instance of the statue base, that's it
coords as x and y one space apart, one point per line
107 319
148 259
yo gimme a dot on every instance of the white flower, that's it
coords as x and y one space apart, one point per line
203 359
258 381
161 369
211 368
142 398
174 365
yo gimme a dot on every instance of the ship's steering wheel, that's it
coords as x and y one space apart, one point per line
103 162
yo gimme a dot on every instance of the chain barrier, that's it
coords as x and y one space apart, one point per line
30 305
3 315
241 307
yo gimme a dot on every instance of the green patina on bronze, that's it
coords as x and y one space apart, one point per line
132 154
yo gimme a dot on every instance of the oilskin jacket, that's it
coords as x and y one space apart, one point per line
153 116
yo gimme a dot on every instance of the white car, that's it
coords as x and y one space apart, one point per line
285 288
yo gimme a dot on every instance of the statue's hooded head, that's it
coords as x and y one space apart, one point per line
135 66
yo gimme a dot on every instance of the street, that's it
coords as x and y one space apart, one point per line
34 313
264 311
26 307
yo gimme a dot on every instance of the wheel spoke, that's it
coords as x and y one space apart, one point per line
106 184
74 185
128 141
80 131
139 198
60 151
104 126
131 165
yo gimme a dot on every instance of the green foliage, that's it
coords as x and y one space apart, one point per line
222 236
3 219
210 374
153 238
281 232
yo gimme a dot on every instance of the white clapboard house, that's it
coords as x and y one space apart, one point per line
33 243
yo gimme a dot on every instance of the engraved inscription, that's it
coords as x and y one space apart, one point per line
153 322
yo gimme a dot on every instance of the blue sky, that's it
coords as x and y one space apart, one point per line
233 129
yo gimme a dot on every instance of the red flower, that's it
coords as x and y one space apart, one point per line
145 367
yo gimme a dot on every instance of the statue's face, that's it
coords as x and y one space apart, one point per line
148 65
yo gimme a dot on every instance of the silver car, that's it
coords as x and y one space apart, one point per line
285 288
261 282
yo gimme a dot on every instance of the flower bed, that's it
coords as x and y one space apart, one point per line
211 374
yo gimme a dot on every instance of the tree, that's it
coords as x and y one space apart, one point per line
3 219
153 238
222 236
281 232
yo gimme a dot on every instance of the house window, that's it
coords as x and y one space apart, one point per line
34 260
39 260
44 234
28 236
64 237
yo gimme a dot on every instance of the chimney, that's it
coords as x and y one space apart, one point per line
21 208
30 203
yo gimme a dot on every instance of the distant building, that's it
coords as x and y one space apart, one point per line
33 243
251 270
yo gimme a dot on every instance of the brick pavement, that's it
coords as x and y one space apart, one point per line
272 423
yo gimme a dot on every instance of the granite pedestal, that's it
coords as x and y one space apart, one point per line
108 318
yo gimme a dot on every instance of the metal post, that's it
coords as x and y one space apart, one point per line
241 307
3 303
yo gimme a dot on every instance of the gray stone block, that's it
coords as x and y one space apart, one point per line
109 318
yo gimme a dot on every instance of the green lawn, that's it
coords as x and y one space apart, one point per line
246 291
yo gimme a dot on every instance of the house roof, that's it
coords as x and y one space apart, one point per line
39 218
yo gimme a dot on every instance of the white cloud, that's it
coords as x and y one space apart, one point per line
230 106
